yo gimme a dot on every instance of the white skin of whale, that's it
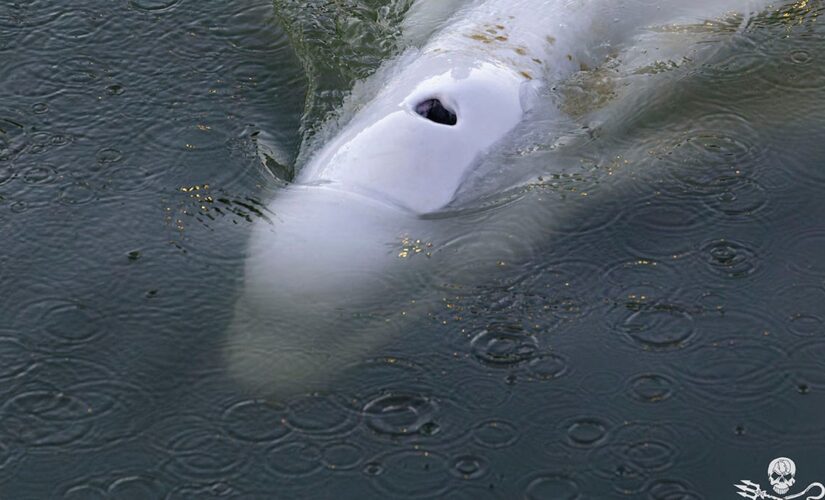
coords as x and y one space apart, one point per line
332 247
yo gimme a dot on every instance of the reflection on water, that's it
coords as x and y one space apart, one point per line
664 339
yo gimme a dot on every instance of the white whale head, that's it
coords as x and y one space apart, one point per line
416 141
331 249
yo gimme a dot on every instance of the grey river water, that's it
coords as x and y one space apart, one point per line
665 342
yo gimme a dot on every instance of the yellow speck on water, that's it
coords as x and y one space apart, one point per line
204 128
492 31
526 75
480 37
551 40
521 51
499 26
502 38
410 248
537 61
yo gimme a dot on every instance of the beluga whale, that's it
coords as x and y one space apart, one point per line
332 262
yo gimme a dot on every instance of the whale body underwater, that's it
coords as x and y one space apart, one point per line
317 271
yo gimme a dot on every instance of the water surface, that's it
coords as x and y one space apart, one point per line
665 340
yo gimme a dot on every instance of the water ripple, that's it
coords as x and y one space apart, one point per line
743 56
807 364
201 453
326 415
78 25
342 456
470 467
650 387
412 474
599 382
46 418
661 226
738 200
256 421
84 492
251 29
112 407
500 348
373 375
197 492
399 414
552 485
68 324
713 155
7 173
471 492
480 391
15 357
547 366
796 71
729 258
495 434
37 13
154 6
638 450
77 193
802 251
294 459
659 326
137 486
78 71
672 489
11 456
586 432
802 309
634 283
731 372
39 174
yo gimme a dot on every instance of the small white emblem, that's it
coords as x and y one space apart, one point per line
782 472
782 475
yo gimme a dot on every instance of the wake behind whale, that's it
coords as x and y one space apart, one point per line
360 222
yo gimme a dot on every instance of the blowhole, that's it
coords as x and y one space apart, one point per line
434 110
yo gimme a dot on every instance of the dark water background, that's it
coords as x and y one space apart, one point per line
669 344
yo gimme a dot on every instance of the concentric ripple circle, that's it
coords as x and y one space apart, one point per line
399 414
658 327
154 6
503 349
255 421
556 486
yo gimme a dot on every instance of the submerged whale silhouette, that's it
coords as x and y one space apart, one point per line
316 275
